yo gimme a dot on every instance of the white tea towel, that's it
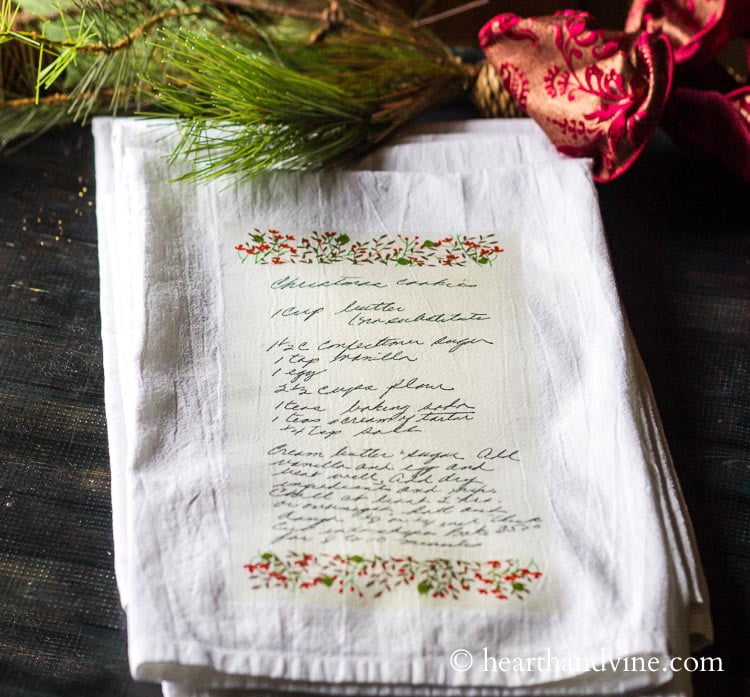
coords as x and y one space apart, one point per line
364 203
515 142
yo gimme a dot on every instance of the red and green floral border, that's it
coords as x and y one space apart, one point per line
274 247
373 576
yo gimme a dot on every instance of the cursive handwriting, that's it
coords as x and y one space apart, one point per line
379 424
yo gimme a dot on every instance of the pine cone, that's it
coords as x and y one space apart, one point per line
489 95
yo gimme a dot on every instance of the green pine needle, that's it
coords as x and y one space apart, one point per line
244 112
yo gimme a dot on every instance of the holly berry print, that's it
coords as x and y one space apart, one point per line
373 576
274 247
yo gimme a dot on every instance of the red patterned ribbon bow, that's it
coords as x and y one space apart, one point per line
600 94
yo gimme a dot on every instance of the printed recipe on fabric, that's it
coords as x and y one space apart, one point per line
386 382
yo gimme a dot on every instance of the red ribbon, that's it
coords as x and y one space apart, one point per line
600 94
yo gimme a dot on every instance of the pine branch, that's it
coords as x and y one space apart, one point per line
244 112
257 84
94 54
80 45
49 100
142 29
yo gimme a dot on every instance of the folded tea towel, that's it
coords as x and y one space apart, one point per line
468 457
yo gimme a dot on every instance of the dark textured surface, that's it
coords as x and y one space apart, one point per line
681 252
679 235
62 631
